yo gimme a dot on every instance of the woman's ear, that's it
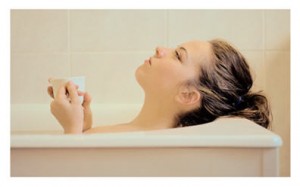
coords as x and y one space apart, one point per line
188 95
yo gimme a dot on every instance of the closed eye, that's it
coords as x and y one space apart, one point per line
177 55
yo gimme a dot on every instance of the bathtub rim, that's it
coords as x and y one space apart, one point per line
214 134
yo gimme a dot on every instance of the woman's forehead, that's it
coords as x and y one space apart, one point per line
197 50
196 45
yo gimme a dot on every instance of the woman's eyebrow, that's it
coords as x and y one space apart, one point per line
184 49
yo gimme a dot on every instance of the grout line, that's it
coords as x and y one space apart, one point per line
264 48
69 42
111 52
69 53
39 53
167 28
125 52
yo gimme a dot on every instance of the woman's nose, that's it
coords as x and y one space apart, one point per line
160 52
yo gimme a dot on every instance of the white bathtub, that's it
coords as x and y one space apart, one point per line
226 147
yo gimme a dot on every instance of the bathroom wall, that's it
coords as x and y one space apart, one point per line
107 45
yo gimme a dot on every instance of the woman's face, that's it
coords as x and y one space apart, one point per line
169 68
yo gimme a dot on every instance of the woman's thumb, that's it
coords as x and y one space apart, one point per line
86 99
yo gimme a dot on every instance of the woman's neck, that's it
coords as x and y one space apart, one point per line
155 114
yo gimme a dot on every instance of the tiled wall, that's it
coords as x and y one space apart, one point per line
107 45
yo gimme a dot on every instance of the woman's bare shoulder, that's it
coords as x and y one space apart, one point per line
123 127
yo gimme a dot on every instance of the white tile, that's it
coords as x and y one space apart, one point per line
278 77
255 60
278 87
111 30
277 32
244 28
30 73
39 31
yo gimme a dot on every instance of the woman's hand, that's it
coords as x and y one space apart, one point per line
88 120
87 112
68 110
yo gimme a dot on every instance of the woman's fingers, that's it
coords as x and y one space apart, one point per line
50 91
86 100
68 91
61 93
72 90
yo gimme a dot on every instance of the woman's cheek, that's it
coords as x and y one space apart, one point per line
167 79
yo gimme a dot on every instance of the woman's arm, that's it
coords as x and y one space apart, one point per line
69 113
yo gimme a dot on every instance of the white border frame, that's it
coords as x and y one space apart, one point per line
5 7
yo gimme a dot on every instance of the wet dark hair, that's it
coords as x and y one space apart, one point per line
225 85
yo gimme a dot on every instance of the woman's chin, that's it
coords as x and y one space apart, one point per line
139 76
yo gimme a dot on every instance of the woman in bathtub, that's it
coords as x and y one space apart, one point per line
195 83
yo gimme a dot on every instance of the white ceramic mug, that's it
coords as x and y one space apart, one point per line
58 82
